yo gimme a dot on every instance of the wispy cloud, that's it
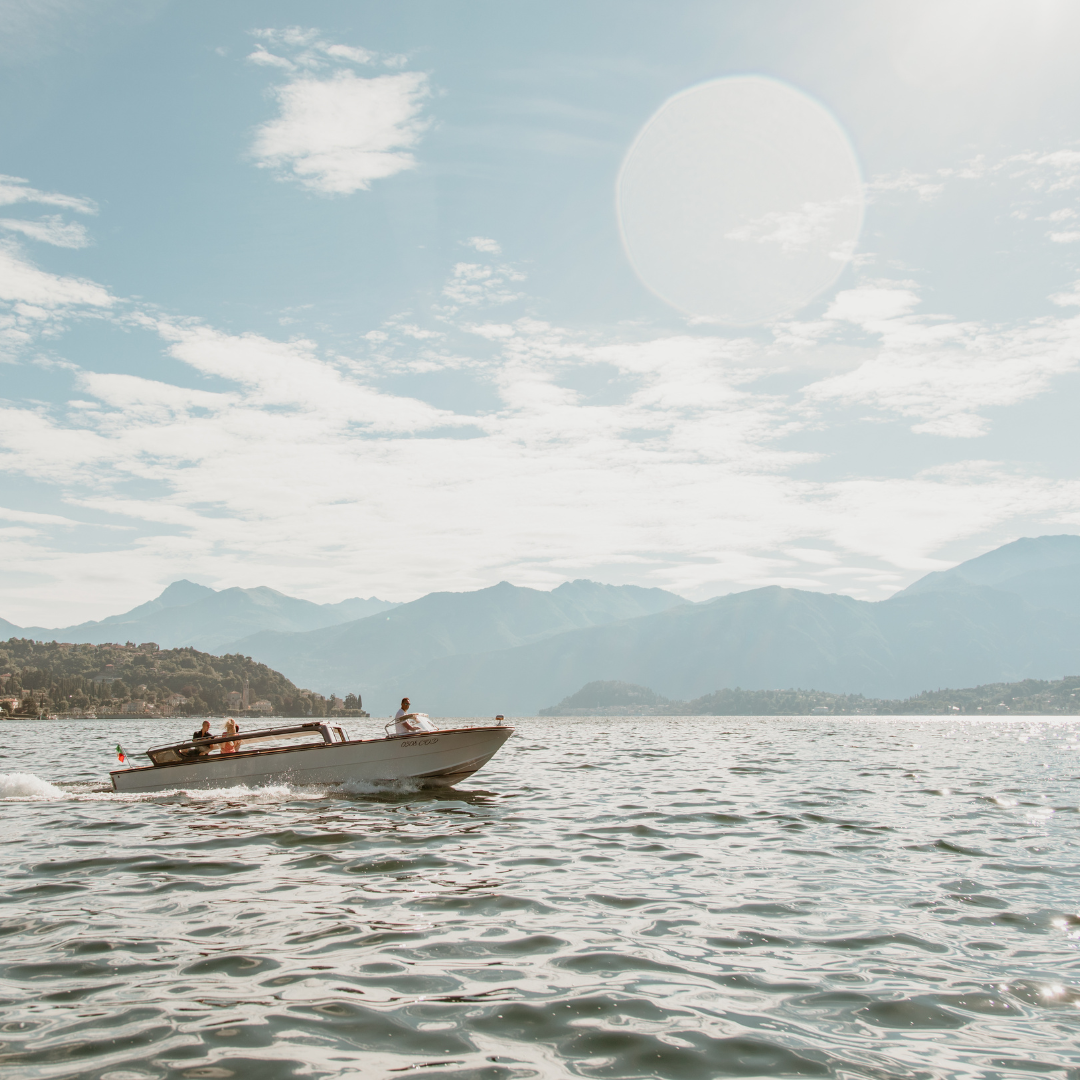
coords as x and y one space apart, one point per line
793 231
339 131
22 282
474 285
1038 174
260 55
13 189
309 49
50 230
484 244
291 376
927 187
942 373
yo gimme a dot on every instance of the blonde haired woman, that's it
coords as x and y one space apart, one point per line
230 729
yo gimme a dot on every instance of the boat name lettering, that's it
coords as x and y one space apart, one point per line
420 742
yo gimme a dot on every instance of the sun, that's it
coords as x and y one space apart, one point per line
740 200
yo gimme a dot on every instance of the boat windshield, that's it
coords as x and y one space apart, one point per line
272 739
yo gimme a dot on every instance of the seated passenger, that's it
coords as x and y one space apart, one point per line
408 723
203 733
230 729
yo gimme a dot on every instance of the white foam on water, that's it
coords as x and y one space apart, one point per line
386 787
27 786
268 793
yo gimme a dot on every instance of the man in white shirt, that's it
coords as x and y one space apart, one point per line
406 723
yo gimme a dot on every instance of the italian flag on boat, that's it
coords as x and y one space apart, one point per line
121 754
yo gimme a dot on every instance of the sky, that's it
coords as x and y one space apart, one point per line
380 298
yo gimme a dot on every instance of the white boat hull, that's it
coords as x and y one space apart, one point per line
433 758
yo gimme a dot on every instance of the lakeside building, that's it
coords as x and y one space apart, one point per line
138 707
238 701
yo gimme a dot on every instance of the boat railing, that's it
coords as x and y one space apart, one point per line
196 749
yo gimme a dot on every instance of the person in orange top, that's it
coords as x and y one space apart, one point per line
230 729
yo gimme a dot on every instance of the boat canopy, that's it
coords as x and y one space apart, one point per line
274 738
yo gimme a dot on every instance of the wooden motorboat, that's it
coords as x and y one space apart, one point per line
315 753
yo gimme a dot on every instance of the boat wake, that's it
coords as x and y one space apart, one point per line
389 787
24 786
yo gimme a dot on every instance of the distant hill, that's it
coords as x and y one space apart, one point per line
626 699
1027 698
378 655
612 697
1044 570
186 614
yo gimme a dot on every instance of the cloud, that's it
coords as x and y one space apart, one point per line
1029 174
484 244
926 187
21 282
339 132
904 520
268 59
336 135
474 285
1071 299
310 50
1063 167
793 231
871 306
942 373
14 189
33 301
152 399
294 36
291 376
50 230
30 517
1058 217
350 53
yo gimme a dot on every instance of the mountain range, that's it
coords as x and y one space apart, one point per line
381 654
996 618
1010 614
196 615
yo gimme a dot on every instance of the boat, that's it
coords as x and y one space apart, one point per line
315 752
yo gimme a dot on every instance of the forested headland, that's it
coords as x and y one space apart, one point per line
51 677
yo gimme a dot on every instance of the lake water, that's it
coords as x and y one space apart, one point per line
610 897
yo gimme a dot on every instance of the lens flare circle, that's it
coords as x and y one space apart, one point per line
740 200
